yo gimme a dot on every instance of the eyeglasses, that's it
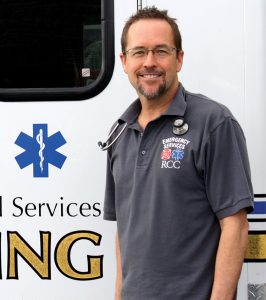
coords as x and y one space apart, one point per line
142 52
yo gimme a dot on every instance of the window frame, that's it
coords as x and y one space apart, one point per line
75 93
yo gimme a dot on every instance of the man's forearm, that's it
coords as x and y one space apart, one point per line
118 271
230 256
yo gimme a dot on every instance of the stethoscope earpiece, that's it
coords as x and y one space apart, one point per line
101 144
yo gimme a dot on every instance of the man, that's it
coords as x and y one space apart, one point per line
178 180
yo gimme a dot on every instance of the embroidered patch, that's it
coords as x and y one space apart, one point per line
173 152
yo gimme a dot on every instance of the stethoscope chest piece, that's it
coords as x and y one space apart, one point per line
180 127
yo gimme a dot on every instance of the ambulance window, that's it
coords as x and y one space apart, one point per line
55 50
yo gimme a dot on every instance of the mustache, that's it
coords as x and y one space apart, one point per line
150 71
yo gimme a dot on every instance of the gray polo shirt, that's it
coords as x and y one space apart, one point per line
168 192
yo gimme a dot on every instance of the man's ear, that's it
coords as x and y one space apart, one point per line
179 58
123 61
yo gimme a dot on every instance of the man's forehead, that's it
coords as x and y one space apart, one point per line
144 31
146 24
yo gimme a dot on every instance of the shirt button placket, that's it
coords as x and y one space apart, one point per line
142 159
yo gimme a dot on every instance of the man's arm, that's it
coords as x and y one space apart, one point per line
118 271
230 255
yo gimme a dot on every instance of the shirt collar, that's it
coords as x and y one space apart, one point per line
176 108
179 104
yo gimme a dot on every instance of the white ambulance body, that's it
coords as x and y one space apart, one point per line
54 242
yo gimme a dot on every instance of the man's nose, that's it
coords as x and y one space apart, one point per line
150 60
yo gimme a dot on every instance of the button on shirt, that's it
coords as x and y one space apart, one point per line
168 192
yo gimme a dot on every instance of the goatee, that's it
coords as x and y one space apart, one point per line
152 95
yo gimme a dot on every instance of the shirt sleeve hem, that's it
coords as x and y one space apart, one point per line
109 216
229 211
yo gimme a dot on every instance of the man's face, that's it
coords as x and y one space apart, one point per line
151 75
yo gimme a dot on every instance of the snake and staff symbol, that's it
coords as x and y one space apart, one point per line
40 150
39 139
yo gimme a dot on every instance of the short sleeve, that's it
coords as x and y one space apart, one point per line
109 201
227 171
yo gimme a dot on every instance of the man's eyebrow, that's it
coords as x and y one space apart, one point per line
156 46
161 45
138 47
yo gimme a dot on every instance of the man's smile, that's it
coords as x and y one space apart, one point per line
150 75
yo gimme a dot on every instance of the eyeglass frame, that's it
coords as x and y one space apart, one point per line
153 50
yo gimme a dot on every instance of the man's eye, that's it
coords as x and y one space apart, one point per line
162 52
137 53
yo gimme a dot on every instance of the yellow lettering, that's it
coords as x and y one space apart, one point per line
39 263
62 256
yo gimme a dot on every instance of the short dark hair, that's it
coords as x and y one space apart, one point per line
152 13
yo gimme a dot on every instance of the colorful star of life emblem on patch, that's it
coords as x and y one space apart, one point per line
178 154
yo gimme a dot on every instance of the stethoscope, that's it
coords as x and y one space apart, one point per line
180 127
105 145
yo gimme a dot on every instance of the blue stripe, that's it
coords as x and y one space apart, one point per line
259 207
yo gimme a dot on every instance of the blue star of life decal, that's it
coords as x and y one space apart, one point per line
40 150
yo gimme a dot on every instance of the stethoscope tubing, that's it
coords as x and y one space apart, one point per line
105 146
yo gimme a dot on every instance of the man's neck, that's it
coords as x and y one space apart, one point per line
152 109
